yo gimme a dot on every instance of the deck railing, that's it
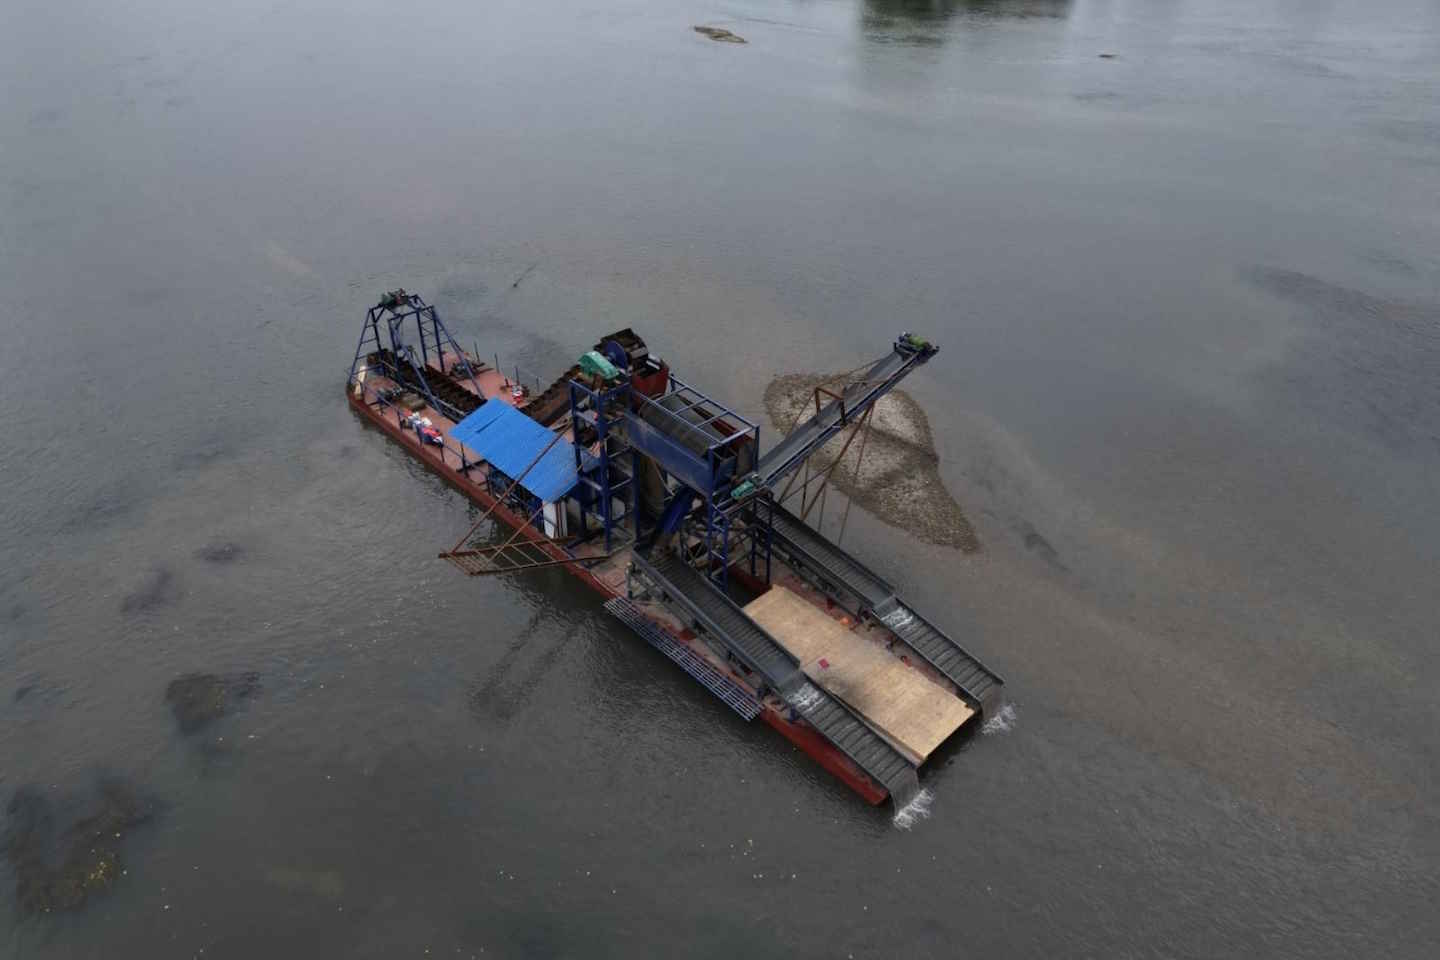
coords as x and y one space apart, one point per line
373 398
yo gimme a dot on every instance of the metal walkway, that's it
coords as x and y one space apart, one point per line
837 571
726 623
733 695
857 741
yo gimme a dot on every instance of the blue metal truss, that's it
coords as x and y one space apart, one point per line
608 474
434 338
701 443
706 448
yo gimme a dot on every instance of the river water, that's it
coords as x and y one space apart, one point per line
1180 257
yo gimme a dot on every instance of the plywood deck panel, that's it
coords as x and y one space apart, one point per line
911 710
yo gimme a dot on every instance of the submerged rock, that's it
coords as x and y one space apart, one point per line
720 34
61 867
320 883
221 553
1038 545
894 474
159 590
199 699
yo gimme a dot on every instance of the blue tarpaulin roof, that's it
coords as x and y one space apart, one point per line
509 440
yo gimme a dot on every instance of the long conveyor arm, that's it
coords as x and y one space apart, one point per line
786 456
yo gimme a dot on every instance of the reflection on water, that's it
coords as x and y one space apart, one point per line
923 22
923 28
937 10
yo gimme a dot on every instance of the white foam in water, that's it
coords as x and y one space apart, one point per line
917 809
805 697
897 618
1002 722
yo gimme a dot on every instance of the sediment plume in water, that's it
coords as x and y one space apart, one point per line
898 477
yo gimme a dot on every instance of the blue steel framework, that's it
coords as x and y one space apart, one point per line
755 514
702 443
700 461
395 309
704 462
694 451
759 511
603 410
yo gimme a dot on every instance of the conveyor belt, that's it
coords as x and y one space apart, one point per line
547 407
978 683
733 695
801 545
726 623
816 557
729 625
805 439
857 741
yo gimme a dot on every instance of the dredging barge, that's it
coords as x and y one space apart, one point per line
663 501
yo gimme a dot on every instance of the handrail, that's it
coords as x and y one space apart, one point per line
710 441
685 386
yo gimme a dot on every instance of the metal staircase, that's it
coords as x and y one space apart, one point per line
733 695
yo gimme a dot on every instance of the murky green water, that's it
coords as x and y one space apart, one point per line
1188 299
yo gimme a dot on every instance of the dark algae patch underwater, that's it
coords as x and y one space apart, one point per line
199 699
63 850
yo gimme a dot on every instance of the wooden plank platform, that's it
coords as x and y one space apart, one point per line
913 712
